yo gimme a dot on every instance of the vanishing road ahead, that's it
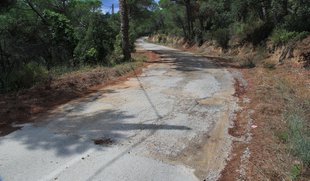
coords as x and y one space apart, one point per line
169 123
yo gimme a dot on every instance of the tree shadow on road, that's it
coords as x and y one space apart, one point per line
68 135
185 62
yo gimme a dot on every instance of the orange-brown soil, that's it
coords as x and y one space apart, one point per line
26 105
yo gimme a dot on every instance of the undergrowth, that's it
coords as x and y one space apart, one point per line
33 73
297 132
281 36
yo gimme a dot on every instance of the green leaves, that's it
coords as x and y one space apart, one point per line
60 27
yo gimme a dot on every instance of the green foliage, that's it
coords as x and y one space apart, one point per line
222 37
259 34
53 34
245 30
98 42
269 65
298 20
250 21
299 137
60 27
27 76
282 36
283 136
77 33
61 37
295 171
247 63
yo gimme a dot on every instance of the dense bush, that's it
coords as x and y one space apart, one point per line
260 34
282 36
222 37
26 76
52 34
97 43
249 21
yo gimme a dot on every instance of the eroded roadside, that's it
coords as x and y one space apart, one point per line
26 106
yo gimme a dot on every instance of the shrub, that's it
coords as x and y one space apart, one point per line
269 65
295 171
248 62
222 37
282 36
259 33
240 30
253 31
27 76
97 43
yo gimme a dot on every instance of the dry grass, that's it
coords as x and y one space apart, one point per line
284 91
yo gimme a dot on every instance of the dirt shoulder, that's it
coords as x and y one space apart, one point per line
264 102
27 105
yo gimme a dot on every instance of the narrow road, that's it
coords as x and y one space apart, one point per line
169 123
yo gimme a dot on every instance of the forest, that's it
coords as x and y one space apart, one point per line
67 47
39 36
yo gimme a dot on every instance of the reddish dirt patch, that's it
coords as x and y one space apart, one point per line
269 158
238 130
27 105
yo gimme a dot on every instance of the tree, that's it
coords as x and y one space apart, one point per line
123 6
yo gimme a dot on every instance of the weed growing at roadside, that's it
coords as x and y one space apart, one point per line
295 171
269 65
248 62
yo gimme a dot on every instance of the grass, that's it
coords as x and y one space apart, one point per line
269 65
247 61
299 138
281 100
137 59
296 134
33 74
295 171
283 136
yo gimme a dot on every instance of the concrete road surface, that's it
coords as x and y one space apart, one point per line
169 123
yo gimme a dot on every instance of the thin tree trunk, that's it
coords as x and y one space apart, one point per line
189 18
36 11
125 29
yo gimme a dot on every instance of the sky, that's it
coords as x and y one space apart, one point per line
107 4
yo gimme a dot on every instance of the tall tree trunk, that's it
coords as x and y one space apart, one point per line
123 7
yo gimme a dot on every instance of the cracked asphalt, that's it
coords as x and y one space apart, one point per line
168 123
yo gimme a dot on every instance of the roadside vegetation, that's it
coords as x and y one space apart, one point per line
39 38
280 98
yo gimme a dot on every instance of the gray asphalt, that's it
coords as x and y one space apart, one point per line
169 123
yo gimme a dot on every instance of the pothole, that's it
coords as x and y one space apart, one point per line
103 141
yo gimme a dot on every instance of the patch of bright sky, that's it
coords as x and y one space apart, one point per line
107 5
